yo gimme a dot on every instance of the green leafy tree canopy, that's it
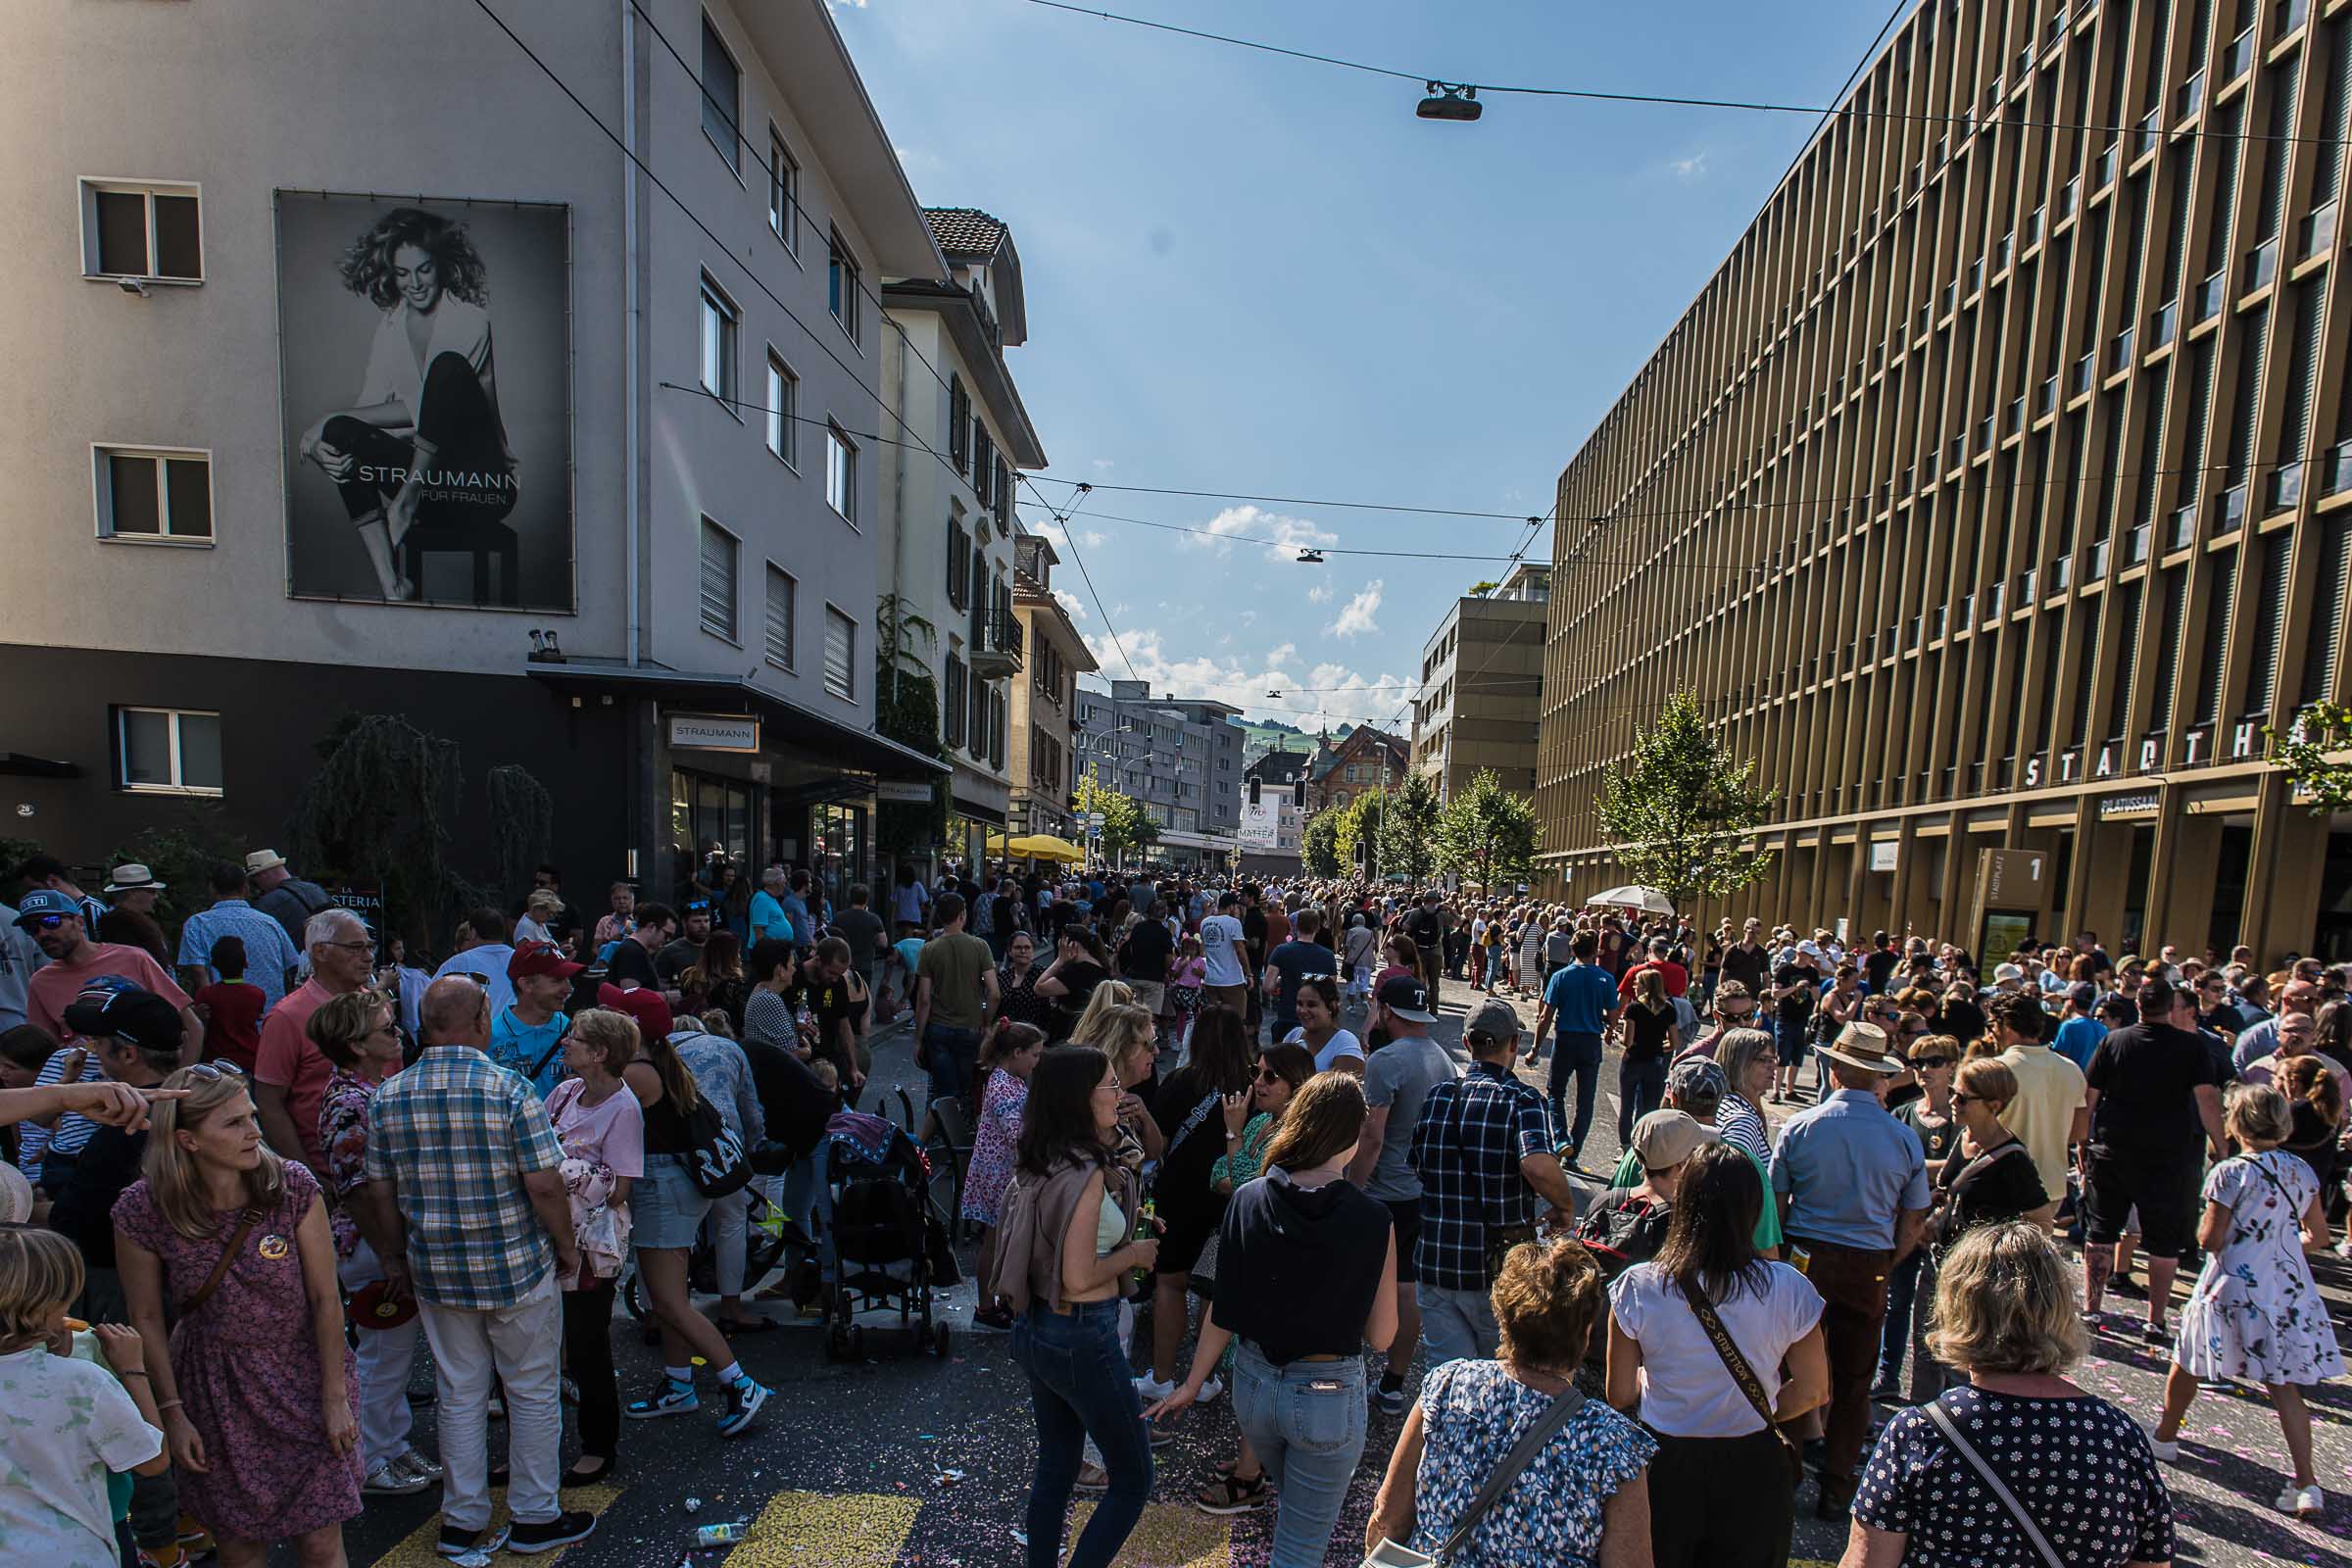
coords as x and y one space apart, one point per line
2312 752
1486 833
1319 843
1675 810
1408 828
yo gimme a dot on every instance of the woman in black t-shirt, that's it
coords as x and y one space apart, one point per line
1648 1040
1988 1179
1068 984
1792 993
1188 1111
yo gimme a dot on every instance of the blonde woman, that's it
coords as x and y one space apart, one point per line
2255 1315
2005 1317
254 1379
602 1133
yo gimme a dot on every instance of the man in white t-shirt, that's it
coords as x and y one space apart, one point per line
1224 948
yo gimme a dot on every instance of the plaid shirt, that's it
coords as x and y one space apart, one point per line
458 1133
1466 1149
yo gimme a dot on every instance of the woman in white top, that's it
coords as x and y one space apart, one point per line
1359 951
1717 1459
1334 1049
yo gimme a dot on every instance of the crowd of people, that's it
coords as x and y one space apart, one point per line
1216 1150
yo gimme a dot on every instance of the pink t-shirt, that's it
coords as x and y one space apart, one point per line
289 1061
612 1130
53 987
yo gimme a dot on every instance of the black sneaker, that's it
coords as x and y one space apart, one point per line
457 1543
743 1400
560 1530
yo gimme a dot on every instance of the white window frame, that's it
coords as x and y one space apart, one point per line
792 629
101 487
733 633
841 472
88 187
123 779
714 301
784 180
834 611
731 156
783 410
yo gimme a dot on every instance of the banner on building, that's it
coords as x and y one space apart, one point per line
425 384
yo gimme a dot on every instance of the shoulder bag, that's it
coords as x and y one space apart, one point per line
229 1254
1942 1415
1396 1555
1742 1374
715 1157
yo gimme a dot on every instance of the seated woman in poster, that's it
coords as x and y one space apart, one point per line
427 430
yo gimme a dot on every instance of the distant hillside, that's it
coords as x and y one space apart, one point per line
1273 734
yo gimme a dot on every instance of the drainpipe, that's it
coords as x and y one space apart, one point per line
630 323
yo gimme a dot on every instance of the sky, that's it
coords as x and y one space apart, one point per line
1256 274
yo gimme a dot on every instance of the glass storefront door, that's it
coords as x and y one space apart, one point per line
709 819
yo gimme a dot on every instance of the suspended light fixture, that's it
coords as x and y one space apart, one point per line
1311 558
1451 103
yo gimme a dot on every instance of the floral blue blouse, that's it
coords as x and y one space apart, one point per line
1472 1412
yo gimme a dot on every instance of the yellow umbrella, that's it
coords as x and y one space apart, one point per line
1047 847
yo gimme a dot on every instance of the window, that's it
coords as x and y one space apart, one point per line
780 608
166 751
719 325
841 653
720 550
959 405
153 495
841 474
783 192
143 232
1004 493
783 409
722 98
959 567
841 286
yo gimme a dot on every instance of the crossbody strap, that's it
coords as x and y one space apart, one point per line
1523 1453
1943 1417
228 1256
1750 1386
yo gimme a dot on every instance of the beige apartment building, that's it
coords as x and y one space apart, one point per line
1997 492
1482 675
1043 704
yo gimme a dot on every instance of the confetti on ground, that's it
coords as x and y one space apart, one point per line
818 1530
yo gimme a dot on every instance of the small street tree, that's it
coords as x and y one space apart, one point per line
1675 810
1356 834
2312 751
1319 843
1408 829
1486 833
1126 825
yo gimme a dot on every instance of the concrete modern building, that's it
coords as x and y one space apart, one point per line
1482 673
680 500
1043 705
948 519
1996 491
1171 755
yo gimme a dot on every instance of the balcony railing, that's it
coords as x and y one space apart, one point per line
2002 249
2210 297
2151 131
1951 297
2336 473
2316 233
2061 575
2095 560
2119 352
1955 452
995 646
2286 489
2137 543
2069 196
1986 430
1912 629
2238 57
1943 622
2025 63
2017 414
1996 600
2082 377
2182 530
2190 98
2048 402
1964 613
2261 265
2103 167
2028 582
2033 225
2164 324
1975 276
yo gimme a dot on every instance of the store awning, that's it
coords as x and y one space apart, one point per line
786 723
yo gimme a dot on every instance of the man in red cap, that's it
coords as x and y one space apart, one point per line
527 1038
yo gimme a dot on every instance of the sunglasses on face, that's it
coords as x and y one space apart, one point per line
1931 1061
48 922
1963 1099
1267 1075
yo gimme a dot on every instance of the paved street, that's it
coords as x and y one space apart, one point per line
903 1460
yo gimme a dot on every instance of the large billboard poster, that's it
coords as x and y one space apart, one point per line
425 372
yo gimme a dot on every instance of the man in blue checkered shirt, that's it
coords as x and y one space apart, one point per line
463 1169
1483 1150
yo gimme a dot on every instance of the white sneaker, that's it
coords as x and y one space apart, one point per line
2166 1452
388 1478
2309 1502
1151 1390
1209 1391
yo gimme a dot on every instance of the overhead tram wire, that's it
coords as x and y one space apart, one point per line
1668 100
1063 515
1535 527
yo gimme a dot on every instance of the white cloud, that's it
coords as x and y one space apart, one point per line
1104 465
1286 536
1352 695
1093 538
1070 605
1360 614
1694 166
1319 594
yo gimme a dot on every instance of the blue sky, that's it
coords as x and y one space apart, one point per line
1254 273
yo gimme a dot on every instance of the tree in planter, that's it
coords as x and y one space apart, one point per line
1319 843
907 710
1408 828
1675 812
1486 833
2312 752
377 812
522 825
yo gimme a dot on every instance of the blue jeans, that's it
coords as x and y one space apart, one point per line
1903 1284
1457 1325
1306 1423
953 1057
1640 1089
1079 1388
1579 1054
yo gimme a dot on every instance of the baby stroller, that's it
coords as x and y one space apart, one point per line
872 1235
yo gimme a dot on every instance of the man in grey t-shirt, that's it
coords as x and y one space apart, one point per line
1396 1080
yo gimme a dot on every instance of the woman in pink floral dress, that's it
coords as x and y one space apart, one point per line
1011 1051
254 1382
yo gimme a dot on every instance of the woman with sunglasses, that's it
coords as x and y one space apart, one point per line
1988 1179
253 1380
1933 1059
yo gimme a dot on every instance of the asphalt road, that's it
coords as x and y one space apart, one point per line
902 1459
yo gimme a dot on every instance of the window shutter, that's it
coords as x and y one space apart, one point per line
2327 636
2200 420
2302 376
1004 492
2328 178
2175 256
718 579
959 440
2276 152
2127 660
2221 612
2278 553
2249 388
2226 142
952 708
